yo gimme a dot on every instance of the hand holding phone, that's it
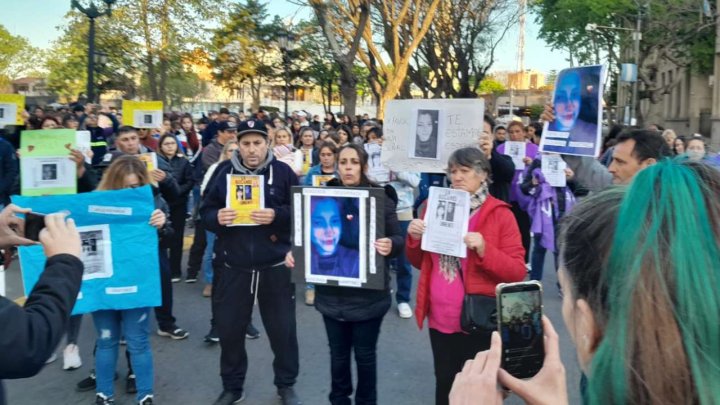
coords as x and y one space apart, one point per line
60 236
521 328
12 228
34 223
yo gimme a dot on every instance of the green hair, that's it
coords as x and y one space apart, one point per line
661 341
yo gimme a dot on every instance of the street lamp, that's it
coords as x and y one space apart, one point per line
285 42
92 12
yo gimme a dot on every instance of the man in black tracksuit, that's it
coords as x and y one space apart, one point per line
249 262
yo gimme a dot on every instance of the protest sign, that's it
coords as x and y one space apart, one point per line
334 230
377 172
577 100
84 145
321 179
142 114
11 109
553 168
119 247
420 135
447 218
245 194
45 165
516 150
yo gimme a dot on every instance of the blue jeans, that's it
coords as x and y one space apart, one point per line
134 325
537 259
404 271
207 266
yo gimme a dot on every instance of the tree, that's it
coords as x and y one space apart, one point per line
67 59
674 32
17 57
316 66
489 85
459 49
335 17
243 50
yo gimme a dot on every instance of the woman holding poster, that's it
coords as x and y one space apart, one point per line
133 324
353 316
494 255
320 174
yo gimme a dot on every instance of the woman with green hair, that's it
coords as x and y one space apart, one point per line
642 300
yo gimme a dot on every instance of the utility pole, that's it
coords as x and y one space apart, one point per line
92 12
637 36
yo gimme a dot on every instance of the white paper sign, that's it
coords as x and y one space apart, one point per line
376 170
553 168
516 150
8 114
96 252
83 145
447 218
147 118
417 142
47 172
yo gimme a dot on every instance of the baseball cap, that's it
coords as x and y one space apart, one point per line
252 126
227 126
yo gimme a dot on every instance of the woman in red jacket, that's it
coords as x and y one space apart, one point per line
494 255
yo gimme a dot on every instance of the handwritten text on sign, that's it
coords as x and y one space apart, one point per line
460 120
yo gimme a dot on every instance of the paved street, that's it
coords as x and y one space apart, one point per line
187 371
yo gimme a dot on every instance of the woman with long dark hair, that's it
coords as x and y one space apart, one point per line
353 316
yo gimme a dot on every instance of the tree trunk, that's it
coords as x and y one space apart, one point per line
348 89
163 54
255 93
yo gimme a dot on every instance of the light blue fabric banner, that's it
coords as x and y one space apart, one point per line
119 247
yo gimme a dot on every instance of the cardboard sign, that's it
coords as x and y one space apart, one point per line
142 114
420 135
11 109
119 247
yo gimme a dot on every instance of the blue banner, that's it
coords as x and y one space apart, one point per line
119 247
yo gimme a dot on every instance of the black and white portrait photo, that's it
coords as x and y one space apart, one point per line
49 171
148 119
96 254
2 113
425 143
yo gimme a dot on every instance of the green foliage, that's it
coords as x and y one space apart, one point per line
535 111
243 48
17 57
489 85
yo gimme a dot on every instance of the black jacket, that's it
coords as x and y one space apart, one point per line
247 248
32 332
502 171
182 172
356 304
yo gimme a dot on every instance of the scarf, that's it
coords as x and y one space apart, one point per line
450 265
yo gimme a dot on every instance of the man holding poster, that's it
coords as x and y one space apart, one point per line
249 263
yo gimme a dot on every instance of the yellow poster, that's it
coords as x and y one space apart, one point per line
142 114
11 109
321 180
307 160
245 194
150 160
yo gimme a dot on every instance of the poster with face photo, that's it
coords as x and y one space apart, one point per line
45 168
428 129
447 218
104 219
420 135
333 233
11 108
142 114
577 101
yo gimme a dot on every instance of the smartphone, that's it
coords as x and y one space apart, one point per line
34 223
520 312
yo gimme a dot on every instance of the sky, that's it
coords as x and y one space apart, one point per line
46 15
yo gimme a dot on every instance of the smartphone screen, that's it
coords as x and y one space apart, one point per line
34 223
520 308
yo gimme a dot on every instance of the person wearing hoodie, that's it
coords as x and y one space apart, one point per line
249 264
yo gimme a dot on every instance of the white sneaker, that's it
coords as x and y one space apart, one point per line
404 310
71 357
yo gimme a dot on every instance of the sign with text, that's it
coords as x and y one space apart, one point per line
119 247
420 135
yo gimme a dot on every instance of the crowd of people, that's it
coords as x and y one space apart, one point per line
630 283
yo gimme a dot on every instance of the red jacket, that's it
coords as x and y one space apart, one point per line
503 262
